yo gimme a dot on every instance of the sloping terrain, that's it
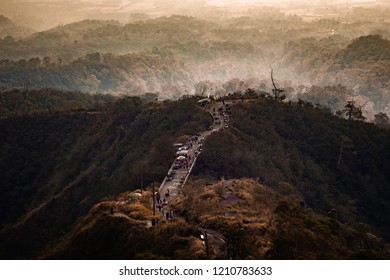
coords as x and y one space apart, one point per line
242 219
274 184
299 144
56 165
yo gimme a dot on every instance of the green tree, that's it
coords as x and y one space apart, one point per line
382 120
352 111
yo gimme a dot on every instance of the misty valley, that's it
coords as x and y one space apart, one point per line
127 132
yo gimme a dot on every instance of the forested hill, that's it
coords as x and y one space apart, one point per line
177 55
77 39
265 29
183 66
55 164
18 102
293 199
171 70
361 64
299 145
371 48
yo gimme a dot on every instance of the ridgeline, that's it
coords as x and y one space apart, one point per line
274 184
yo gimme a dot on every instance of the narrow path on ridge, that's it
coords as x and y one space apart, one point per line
172 185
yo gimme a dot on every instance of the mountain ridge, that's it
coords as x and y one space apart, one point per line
4 21
125 147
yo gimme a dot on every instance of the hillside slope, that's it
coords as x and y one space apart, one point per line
243 220
299 144
301 201
56 165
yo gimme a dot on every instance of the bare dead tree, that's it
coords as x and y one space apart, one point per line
277 92
203 91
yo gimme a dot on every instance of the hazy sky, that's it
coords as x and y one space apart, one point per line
43 14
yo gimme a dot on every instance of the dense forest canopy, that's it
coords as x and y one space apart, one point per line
56 164
175 55
299 144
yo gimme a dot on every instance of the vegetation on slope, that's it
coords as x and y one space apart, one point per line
363 65
308 197
300 144
17 102
242 219
171 55
56 165
121 229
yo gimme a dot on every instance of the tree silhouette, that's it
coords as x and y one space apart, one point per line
277 92
353 112
382 120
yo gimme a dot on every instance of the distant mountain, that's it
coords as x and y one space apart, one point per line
372 48
267 31
8 28
171 70
361 64
172 55
178 67
5 22
74 40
